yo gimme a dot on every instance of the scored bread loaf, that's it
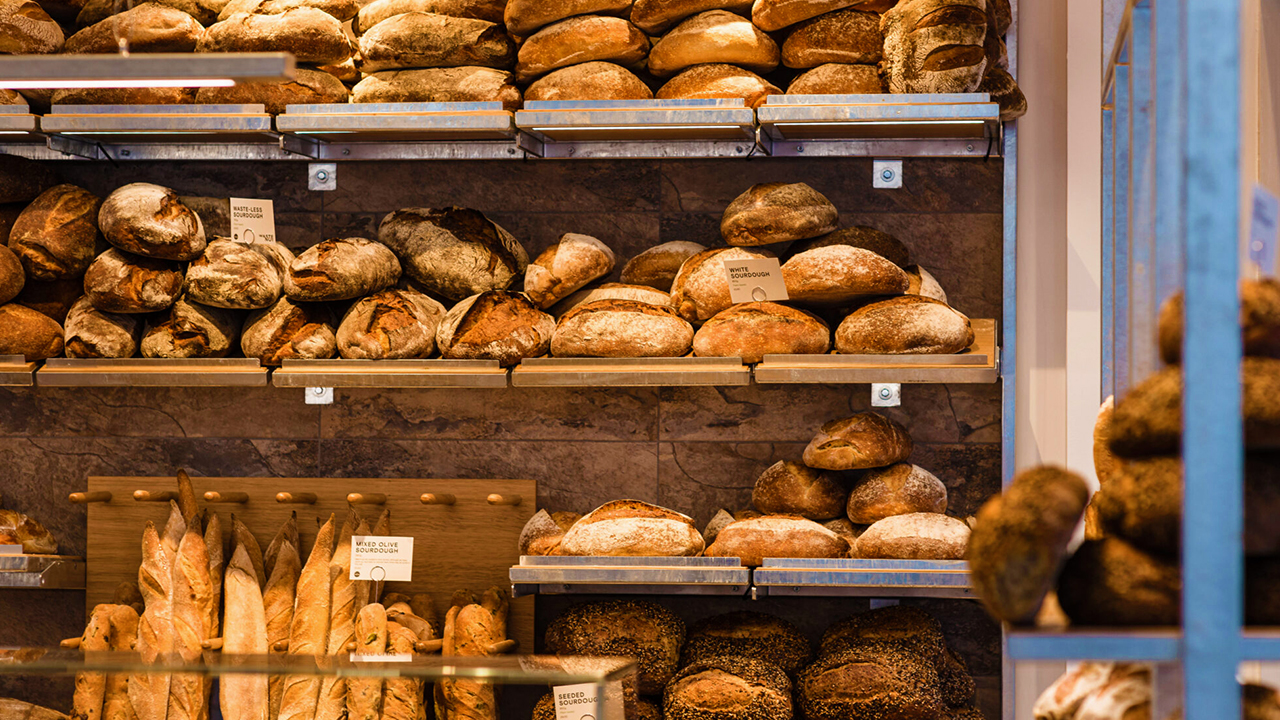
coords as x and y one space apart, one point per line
632 527
621 328
722 519
238 275
871 680
923 283
341 269
1126 694
524 17
777 536
594 80
714 36
309 633
375 12
791 488
453 252
26 29
313 36
278 600
915 536
771 15
309 87
755 329
118 282
657 266
544 532
907 325
898 489
56 236
865 440
859 236
636 629
572 262
149 27
777 212
611 291
701 288
341 9
244 696
578 40
748 634
150 220
935 46
28 333
12 276
390 324
836 274
191 330
91 333
718 80
288 330
838 79
849 36
728 688
423 40
456 84
495 325
656 17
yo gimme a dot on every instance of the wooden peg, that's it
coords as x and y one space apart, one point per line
302 498
367 499
70 643
212 644
496 499
501 647
281 646
429 646
82 498
226 497
438 499
148 496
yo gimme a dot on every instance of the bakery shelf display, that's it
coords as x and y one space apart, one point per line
634 128
436 373
629 576
789 577
42 572
630 372
152 372
15 371
159 123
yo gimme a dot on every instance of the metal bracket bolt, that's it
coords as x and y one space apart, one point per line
886 173
886 394
319 396
322 176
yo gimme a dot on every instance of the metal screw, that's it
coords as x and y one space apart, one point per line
346 151
885 393
511 151
886 174
570 151
317 391
738 149
799 148
322 175
969 147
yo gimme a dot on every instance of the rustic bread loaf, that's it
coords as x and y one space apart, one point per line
838 274
898 489
375 12
1019 541
714 36
309 87
771 15
657 266
28 333
611 291
424 40
204 12
56 236
923 283
22 180
656 17
544 532
907 325
935 46
718 80
622 628
191 330
777 536
341 269
848 36
847 530
150 28
53 298
26 29
569 264
453 252
313 36
790 488
838 79
238 275
289 330
149 220
873 680
495 325
458 84
124 96
1126 695
915 536
859 236
390 324
524 17
865 440
728 688
1062 699
118 282
755 329
1005 92
12 277
589 81
632 527
748 634
701 288
777 212
343 10
579 40
1259 321
621 328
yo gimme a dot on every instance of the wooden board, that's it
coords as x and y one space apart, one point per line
468 545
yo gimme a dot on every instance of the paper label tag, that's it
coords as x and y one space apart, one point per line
578 702
393 657
252 220
755 280
1264 228
381 557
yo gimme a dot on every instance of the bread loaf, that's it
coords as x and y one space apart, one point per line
544 532
524 17
289 330
1126 694
364 696
118 282
777 536
865 440
578 40
495 325
309 87
935 46
124 96
1259 321
12 277
777 212
150 27
701 288
1004 90
858 236
204 12
401 696
915 536
341 9
238 275
656 17
277 600
313 36
460 84
589 81
898 489
771 15
149 220
341 269
632 527
192 599
873 680
657 266
56 236
390 324
718 80
621 328
790 488
837 274
28 333
748 634
244 696
838 79
375 12
309 633
332 704
191 330
921 282
423 40
611 291
714 36
848 36
90 688
910 626
124 638
453 252
26 29
572 262
91 333
728 688
907 325
1062 699
755 329
22 180
640 629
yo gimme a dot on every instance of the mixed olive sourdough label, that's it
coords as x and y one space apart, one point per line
381 558
580 702
755 280
252 220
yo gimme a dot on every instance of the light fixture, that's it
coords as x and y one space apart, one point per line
143 70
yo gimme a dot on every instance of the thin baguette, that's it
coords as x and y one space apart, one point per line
174 528
149 694
187 497
342 599
277 602
364 696
192 600
91 688
241 536
124 638
288 532
244 696
309 633
401 697
214 547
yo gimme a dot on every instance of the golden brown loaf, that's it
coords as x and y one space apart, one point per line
895 490
524 17
935 46
915 536
423 40
611 291
332 704
364 696
341 269
718 80
238 275
728 688
701 288
456 84
309 633
657 266
289 330
28 333
907 325
773 15
213 545
544 531
26 29
838 79
191 330
748 634
56 236
924 283
90 688
777 212
656 17
204 12
845 36
341 9
192 601
12 276
496 325
621 328
791 488
146 219
453 252
91 333
308 87
390 324
313 36
777 536
755 329
837 274
287 532
714 36
865 440
243 537
124 638
149 28
401 697
632 527
622 628
379 10
278 599
244 696
578 40
124 96
122 283
149 693
572 262
589 81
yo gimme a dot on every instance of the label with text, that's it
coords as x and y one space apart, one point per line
252 220
1264 227
381 558
579 702
755 280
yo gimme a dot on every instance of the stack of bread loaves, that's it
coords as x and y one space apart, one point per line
708 49
837 46
581 50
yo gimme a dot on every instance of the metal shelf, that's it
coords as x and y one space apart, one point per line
42 572
1152 645
81 129
15 371
147 372
451 130
637 128
17 124
390 374
791 577
630 372
629 576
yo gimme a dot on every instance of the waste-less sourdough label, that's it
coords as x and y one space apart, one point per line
252 220
755 280
381 558
579 702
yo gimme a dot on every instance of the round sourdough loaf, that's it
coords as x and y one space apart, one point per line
1004 91
341 269
91 333
495 325
771 15
53 298
149 220
238 275
1063 698
309 87
457 84
26 29
425 40
12 277
621 328
657 267
923 283
934 46
714 36
289 330
578 40
390 324
1110 582
858 236
907 325
777 212
544 531
118 282
611 291
748 634
589 81
776 536
379 10
632 528
149 28
56 236
791 488
848 36
453 252
29 333
865 440
570 263
524 17
1259 321
124 96
313 36
718 80
21 180
915 536
656 17
755 329
838 274
729 687
873 680
343 10
838 79
898 489
191 330
636 629
701 288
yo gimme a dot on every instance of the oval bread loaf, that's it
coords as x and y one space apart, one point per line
238 275
657 267
899 489
749 634
838 79
123 96
589 81
728 688
718 80
858 236
636 629
309 87
343 10
56 236
425 40
313 36
453 252
848 36
923 283
714 36
118 282
149 220
29 333
524 17
149 27
390 324
579 40
771 15
777 536
12 276
611 291
572 262
379 10
26 29
865 440
621 328
341 269
907 325
791 488
495 325
656 17
755 329
701 288
91 333
777 212
905 684
289 330
915 536
931 47
456 84
838 274
191 330
631 528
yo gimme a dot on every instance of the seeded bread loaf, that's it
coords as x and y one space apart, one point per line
701 288
56 236
777 212
632 527
118 282
390 324
343 10
191 330
848 36
718 80
656 17
28 333
313 36
26 29
238 275
748 634
865 440
755 329
728 688
375 12
777 536
524 17
495 325
149 220
837 274
935 46
657 266
898 489
873 680
838 79
589 81
309 87
791 488
453 252
915 536
611 291
578 40
425 40
149 27
341 269
1110 582
288 330
572 262
714 36
12 276
640 629
455 84
771 15
907 325
621 328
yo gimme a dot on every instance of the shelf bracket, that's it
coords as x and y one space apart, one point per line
886 394
530 144
886 174
298 145
72 146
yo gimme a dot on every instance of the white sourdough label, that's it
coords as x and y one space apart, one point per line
755 280
381 558
252 220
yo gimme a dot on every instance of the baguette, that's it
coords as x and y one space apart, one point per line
187 497
244 538
277 602
381 527
174 528
192 602
417 624
86 704
149 694
289 532
244 696
214 547
309 633
342 598
364 698
363 589
401 697
124 638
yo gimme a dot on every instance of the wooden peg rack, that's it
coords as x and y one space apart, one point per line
469 544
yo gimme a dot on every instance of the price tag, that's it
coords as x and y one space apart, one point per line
381 558
578 702
252 220
383 657
755 280
1264 226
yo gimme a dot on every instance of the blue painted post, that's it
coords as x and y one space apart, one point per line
1142 326
1171 131
1120 237
1008 342
1108 249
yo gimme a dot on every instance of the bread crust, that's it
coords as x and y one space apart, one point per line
848 36
777 212
91 333
426 40
718 80
191 330
771 15
656 17
12 276
611 291
621 328
898 489
524 17
456 84
117 282
906 325
859 236
594 80
632 527
838 79
935 46
343 10
496 325
238 275
341 269
569 264
150 220
730 687
56 236
313 36
915 536
578 40
865 440
657 266
150 27
870 680
28 333
748 634
755 329
701 289
395 323
309 87
622 628
838 274
379 10
780 536
289 330
453 252
714 36
792 488
26 29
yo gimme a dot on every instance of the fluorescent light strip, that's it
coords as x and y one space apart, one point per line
156 83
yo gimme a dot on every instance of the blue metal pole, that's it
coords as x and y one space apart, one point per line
1142 326
1108 249
1009 346
1170 134
1120 232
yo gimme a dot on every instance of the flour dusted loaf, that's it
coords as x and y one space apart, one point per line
544 532
1125 695
12 276
578 40
191 330
728 688
755 329
859 236
622 628
621 328
907 325
453 252
341 9
309 87
375 12
915 536
56 236
118 282
289 330
791 488
238 275
1259 321
149 220
718 80
495 325
524 17
91 333
395 323
589 81
872 680
935 46
898 489
849 36
28 333
657 266
838 79
1062 699
836 274
570 263
424 40
149 27
313 36
26 29
714 36
611 291
701 288
456 84
777 212
780 536
632 527
1110 582
865 440
748 634
341 269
